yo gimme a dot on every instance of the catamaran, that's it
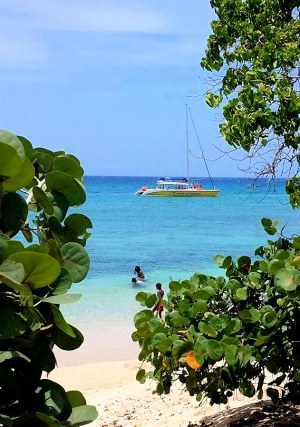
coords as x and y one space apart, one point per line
181 187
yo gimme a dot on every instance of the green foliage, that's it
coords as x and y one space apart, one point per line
37 187
254 46
226 333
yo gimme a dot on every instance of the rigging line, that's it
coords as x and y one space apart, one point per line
202 152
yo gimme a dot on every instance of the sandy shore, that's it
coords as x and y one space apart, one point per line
121 401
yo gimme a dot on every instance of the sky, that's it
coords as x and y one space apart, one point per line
108 80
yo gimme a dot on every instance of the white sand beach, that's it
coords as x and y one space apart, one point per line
111 386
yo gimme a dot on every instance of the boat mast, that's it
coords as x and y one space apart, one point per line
187 144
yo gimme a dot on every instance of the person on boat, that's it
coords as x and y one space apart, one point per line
139 274
159 305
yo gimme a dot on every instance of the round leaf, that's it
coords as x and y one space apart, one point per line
68 186
24 177
287 279
76 261
40 269
68 165
42 199
12 154
13 211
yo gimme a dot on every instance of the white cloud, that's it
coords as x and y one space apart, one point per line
166 32
89 15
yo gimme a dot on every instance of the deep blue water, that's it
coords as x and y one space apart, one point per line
167 237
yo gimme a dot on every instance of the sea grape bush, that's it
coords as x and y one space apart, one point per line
229 332
37 188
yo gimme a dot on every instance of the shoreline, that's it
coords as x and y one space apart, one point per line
104 342
121 401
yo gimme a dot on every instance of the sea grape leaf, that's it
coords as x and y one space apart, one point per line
21 288
83 415
27 146
12 154
62 299
287 279
76 260
70 187
214 349
55 399
175 286
207 330
60 204
141 296
42 199
13 270
60 322
65 341
241 294
76 398
12 323
7 355
24 177
44 158
219 260
40 269
14 212
63 283
75 229
231 354
68 165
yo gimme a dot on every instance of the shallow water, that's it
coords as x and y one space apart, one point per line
167 237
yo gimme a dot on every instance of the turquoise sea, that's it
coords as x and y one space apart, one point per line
167 237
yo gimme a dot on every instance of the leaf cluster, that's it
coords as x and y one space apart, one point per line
254 47
229 332
37 188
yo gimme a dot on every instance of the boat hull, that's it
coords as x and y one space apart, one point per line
178 193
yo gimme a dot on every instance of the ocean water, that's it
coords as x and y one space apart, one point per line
167 237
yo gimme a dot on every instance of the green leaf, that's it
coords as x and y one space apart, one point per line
241 294
40 269
247 388
12 323
70 187
42 199
63 283
55 399
68 165
219 259
151 300
275 265
62 299
212 99
231 354
214 349
76 398
287 279
12 154
207 330
13 212
7 355
67 342
83 415
175 286
76 261
141 296
13 270
59 321
21 180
